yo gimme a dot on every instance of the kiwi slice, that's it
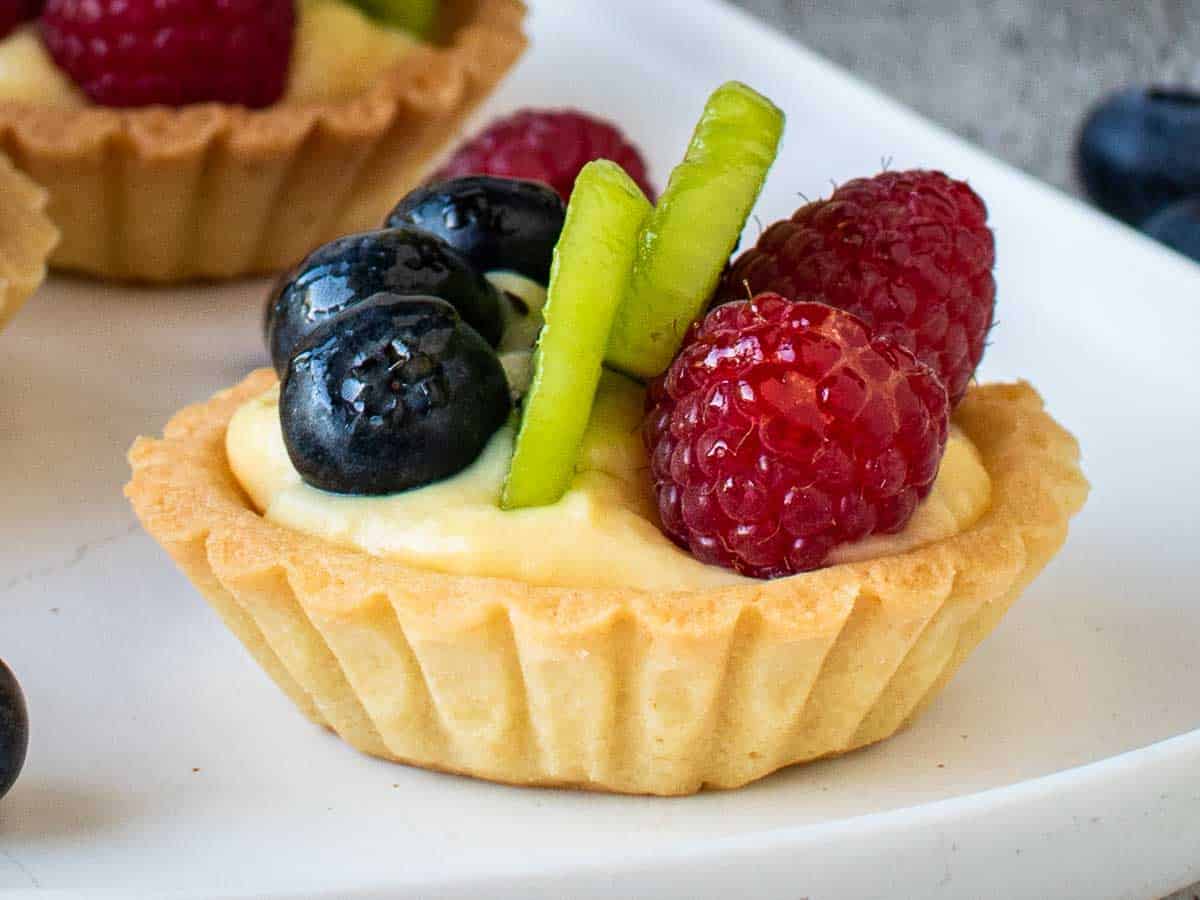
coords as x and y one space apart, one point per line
415 16
588 278
688 239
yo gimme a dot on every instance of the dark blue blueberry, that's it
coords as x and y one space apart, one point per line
497 223
1178 226
395 393
396 261
14 729
1140 151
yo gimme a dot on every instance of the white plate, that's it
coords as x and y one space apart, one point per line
1063 761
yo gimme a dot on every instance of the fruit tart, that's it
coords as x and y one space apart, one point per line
26 239
558 496
212 140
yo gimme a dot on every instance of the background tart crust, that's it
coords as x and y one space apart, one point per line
215 191
614 690
26 238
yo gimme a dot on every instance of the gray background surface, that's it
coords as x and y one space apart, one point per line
1015 76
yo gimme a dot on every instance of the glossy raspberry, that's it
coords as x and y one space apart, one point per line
173 52
783 430
909 252
14 12
549 146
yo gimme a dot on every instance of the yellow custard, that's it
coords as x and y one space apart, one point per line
603 533
29 75
338 53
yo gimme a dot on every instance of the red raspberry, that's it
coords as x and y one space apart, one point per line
783 430
549 146
14 12
908 252
173 52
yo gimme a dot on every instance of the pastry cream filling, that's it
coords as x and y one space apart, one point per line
29 75
603 533
338 53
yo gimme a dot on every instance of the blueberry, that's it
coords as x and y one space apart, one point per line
14 729
397 261
1178 226
498 223
1140 151
395 393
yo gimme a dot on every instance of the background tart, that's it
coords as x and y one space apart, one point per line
26 239
609 689
215 191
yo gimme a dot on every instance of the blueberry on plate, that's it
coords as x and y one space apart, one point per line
395 393
1139 151
1178 226
14 729
497 223
350 269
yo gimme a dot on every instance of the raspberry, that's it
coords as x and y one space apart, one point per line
173 52
908 252
14 12
549 146
784 429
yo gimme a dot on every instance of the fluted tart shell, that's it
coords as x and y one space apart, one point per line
608 689
27 237
159 194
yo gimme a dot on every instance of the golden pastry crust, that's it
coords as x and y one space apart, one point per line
26 238
215 191
615 690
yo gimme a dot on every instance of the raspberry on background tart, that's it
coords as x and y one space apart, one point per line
548 145
26 238
212 190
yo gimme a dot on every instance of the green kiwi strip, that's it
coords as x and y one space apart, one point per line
686 242
588 280
415 16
